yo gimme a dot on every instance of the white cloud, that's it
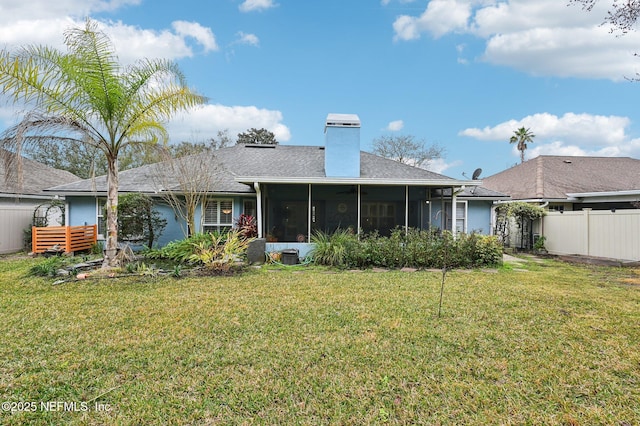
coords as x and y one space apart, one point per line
440 17
205 121
440 165
253 5
570 134
13 10
396 125
202 35
250 39
44 22
542 37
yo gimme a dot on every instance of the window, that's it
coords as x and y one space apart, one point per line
101 220
461 216
218 216
249 207
378 216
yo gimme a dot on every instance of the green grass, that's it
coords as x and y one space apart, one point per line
555 345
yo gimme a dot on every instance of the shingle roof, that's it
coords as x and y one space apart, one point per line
553 177
230 165
35 176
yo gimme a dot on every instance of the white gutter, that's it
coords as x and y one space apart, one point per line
534 200
256 186
603 193
357 181
30 196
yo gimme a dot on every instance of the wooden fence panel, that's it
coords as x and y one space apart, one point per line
68 238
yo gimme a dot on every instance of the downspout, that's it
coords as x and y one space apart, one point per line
309 216
454 213
406 210
256 186
359 211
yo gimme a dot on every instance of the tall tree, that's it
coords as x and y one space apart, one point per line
406 149
521 137
257 136
186 181
85 95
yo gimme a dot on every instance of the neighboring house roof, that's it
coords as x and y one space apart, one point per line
554 177
235 169
32 179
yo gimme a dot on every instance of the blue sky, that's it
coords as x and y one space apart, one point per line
461 74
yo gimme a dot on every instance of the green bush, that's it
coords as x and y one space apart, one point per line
48 267
223 252
334 249
414 248
217 251
181 250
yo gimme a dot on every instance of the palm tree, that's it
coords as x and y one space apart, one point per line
521 137
85 95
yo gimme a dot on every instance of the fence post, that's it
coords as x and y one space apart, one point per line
587 231
34 238
67 238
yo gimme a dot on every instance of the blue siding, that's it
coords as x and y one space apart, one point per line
82 210
176 227
479 217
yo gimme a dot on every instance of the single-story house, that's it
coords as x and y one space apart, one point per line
293 191
564 183
21 193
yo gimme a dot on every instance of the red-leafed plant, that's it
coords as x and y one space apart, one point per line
246 225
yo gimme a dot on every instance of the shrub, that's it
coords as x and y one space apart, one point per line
338 249
246 225
181 250
138 220
222 252
48 267
415 248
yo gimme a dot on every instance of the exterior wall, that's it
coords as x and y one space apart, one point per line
15 217
479 217
600 233
303 248
81 211
176 227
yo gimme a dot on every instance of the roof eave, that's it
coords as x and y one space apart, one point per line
357 181
485 198
578 195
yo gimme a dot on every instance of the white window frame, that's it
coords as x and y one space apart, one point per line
461 206
220 222
100 217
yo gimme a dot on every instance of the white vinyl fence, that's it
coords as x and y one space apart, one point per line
598 233
14 219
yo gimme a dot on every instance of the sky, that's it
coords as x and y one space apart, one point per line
460 74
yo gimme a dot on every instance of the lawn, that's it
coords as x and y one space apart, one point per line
543 343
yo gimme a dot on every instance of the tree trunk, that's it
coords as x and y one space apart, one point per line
111 249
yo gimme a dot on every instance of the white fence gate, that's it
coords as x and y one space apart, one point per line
598 233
